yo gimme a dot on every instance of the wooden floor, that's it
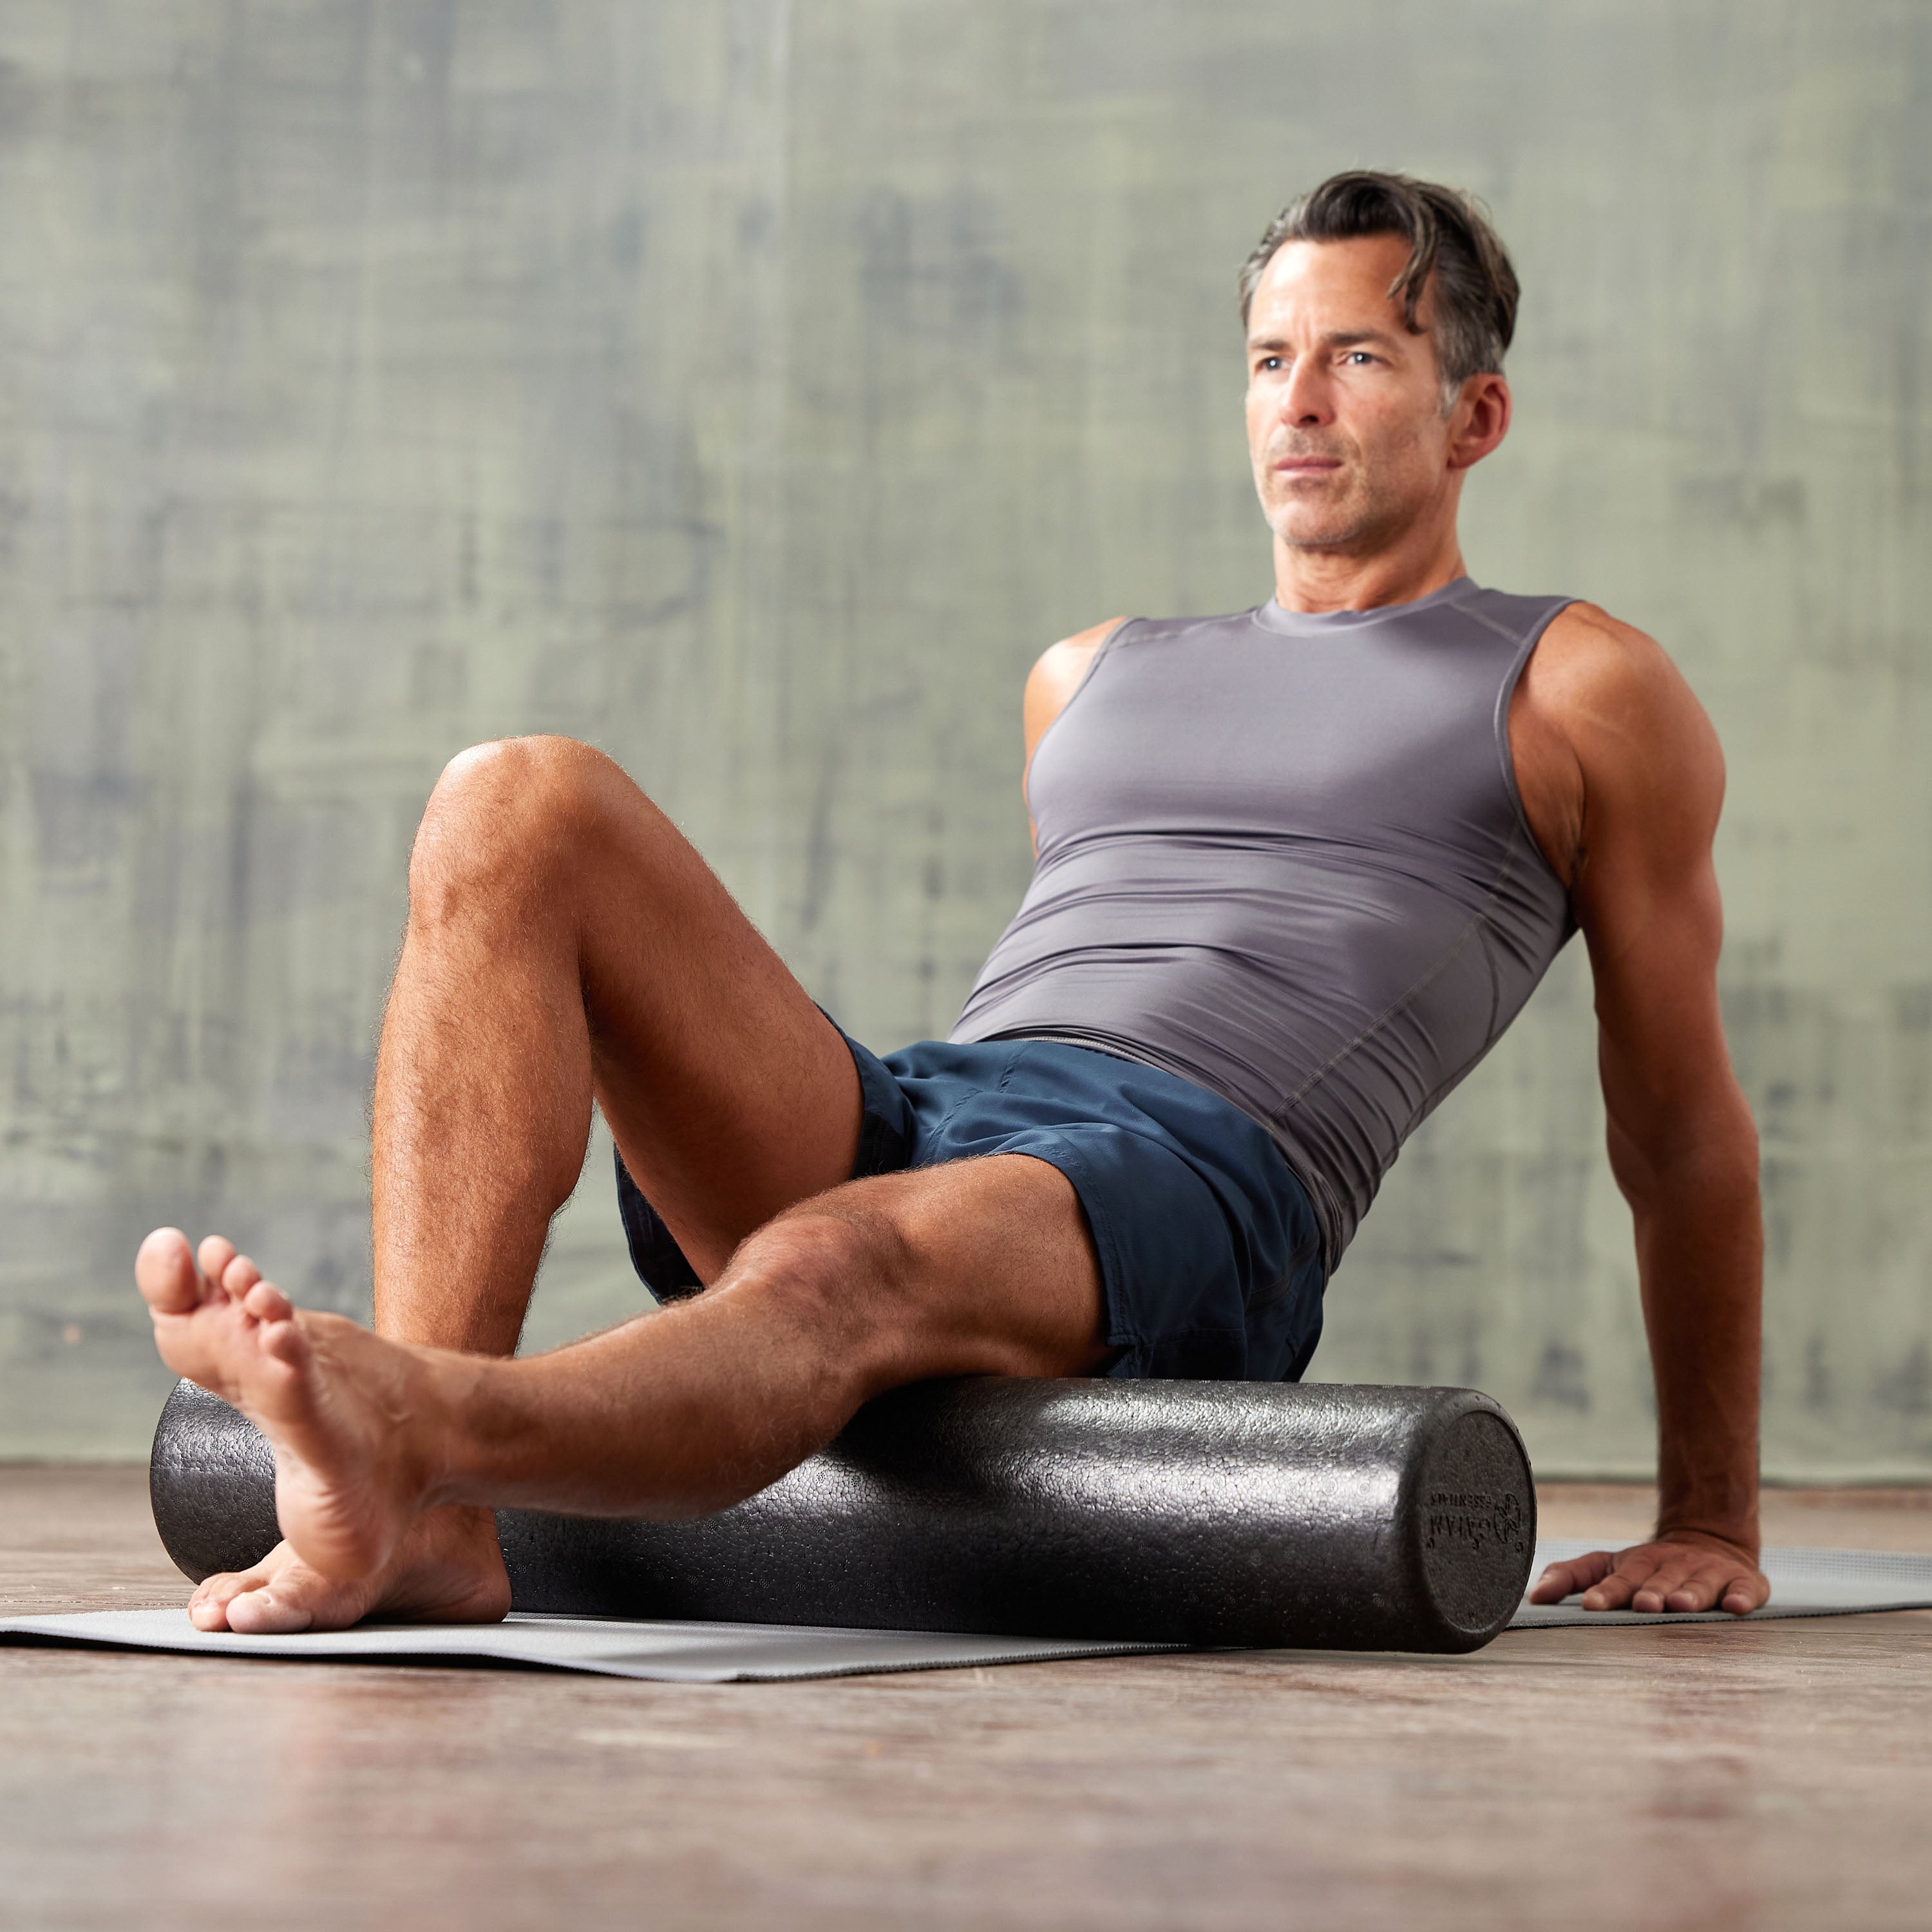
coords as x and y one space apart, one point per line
1771 1775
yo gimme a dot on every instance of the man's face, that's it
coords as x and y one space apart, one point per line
1346 425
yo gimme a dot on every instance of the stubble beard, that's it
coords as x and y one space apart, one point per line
1369 517
1365 522
1358 527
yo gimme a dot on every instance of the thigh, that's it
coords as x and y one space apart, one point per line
730 1095
1208 1247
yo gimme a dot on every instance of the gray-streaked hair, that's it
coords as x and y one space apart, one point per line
1449 237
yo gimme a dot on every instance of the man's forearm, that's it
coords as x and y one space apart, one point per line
1700 1253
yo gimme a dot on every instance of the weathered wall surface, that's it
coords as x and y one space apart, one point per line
753 389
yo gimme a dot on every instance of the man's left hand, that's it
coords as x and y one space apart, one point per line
1683 1570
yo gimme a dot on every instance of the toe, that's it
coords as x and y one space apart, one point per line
207 1608
264 1300
273 1595
164 1271
208 1613
239 1276
214 1254
266 1612
282 1337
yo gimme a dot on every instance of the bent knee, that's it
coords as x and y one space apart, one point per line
542 773
511 806
841 1273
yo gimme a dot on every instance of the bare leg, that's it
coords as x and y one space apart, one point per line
564 942
980 1267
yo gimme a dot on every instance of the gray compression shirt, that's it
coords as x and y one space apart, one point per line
1282 855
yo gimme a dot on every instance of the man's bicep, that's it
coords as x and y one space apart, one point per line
1676 1116
1660 1040
1647 899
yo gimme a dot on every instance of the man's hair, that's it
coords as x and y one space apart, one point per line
1449 237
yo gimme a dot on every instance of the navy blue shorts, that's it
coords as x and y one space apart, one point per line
1209 1257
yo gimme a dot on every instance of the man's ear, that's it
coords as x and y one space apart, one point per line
1479 420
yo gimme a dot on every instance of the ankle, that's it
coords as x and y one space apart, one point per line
420 1420
447 1423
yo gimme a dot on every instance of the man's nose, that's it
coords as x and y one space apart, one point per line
1306 400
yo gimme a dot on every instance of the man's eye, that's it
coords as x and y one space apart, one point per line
1359 355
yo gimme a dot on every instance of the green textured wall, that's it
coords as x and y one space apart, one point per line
754 389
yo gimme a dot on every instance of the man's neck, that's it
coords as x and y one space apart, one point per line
1319 580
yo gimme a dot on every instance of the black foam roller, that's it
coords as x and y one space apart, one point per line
1206 1513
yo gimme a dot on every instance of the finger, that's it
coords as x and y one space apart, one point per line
1692 1586
1677 1573
1652 1571
1631 1571
1661 1580
1718 1583
1564 1579
1687 1577
1613 1593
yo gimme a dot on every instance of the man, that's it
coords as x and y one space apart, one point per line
1296 869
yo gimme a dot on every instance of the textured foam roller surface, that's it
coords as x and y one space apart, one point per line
1205 1513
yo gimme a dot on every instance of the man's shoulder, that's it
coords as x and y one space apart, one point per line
1057 671
1080 647
1584 628
1626 712
1057 676
1590 667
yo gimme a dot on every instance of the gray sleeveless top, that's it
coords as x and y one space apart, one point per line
1282 855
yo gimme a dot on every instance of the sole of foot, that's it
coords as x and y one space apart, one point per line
447 1569
325 1392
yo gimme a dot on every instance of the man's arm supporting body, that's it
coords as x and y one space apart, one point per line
1622 780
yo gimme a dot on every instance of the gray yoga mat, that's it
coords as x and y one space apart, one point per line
674 1653
1807 1583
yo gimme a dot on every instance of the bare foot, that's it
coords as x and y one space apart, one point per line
447 1569
334 1401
